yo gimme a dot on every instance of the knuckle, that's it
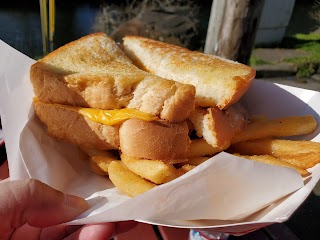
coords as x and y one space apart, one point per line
31 186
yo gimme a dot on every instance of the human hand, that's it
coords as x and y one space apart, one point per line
30 209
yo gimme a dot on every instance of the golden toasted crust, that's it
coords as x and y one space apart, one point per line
65 123
93 72
94 90
219 82
77 73
159 140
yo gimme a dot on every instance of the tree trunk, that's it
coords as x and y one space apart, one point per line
232 28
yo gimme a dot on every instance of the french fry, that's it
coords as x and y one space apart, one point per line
274 161
94 168
155 171
95 152
281 127
190 164
185 168
99 160
304 160
134 176
275 147
103 162
195 161
127 181
199 148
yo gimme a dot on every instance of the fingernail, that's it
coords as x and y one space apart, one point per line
75 202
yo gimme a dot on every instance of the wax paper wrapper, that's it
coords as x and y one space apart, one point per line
225 193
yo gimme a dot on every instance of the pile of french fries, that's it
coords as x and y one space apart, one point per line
262 140
134 176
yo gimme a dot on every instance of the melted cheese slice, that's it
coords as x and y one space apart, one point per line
112 117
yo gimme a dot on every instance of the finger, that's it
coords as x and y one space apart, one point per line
53 233
37 204
58 232
26 232
125 226
100 231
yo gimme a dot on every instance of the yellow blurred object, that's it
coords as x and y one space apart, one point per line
47 15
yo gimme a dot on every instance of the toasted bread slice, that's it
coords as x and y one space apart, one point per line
167 99
218 127
219 82
156 140
65 123
94 72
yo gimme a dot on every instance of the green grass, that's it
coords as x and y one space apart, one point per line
312 48
307 65
308 37
255 61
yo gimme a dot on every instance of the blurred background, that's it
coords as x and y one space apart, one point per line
286 26
281 41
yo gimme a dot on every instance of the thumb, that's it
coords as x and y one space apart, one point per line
33 202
